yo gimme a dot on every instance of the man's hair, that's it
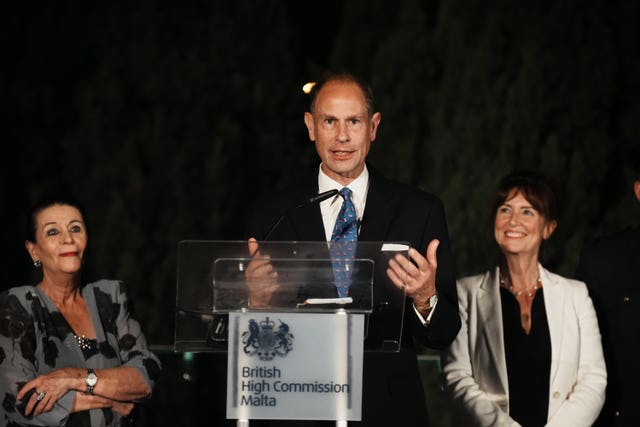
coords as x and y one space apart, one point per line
344 78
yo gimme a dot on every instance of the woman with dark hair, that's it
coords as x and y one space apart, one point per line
70 354
529 351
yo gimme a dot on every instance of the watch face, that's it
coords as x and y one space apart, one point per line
91 379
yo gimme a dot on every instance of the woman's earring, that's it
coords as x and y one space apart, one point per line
37 263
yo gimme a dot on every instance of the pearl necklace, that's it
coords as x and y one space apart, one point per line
529 290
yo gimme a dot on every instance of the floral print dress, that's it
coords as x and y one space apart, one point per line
35 339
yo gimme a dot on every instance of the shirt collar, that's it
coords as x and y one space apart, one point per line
358 187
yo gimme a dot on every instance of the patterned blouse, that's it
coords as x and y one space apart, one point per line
35 339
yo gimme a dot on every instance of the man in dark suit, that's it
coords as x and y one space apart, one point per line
342 122
610 267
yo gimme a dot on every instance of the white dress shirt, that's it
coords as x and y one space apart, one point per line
330 208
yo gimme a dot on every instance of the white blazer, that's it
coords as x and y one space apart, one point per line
474 366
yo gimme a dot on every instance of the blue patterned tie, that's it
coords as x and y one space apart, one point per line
344 241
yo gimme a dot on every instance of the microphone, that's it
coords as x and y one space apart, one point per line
218 330
311 200
317 198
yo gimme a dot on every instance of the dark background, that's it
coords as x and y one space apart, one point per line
166 120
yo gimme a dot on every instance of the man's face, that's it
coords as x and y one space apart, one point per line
342 130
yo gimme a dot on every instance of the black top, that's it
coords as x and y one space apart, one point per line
528 360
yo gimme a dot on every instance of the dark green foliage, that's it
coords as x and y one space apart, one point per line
470 91
167 120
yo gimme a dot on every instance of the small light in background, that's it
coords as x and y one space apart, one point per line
308 87
187 358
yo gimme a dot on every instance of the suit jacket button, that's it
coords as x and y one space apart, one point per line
556 394
626 299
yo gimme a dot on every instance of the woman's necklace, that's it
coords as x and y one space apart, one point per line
529 290
83 342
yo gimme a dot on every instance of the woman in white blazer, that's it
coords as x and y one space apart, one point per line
529 351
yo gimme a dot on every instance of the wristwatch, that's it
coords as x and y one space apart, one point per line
91 379
431 302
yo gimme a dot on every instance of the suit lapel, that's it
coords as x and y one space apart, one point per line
307 224
379 209
491 318
554 302
306 221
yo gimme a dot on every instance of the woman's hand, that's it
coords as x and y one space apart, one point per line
48 388
419 279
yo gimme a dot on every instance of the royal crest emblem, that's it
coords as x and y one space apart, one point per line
266 342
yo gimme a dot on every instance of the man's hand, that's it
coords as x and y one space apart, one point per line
419 279
262 279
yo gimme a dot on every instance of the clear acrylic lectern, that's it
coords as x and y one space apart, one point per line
274 307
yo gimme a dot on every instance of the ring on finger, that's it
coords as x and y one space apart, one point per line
40 396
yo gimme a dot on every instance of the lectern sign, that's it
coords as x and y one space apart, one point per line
295 366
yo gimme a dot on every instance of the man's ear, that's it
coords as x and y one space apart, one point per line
636 189
375 121
308 121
